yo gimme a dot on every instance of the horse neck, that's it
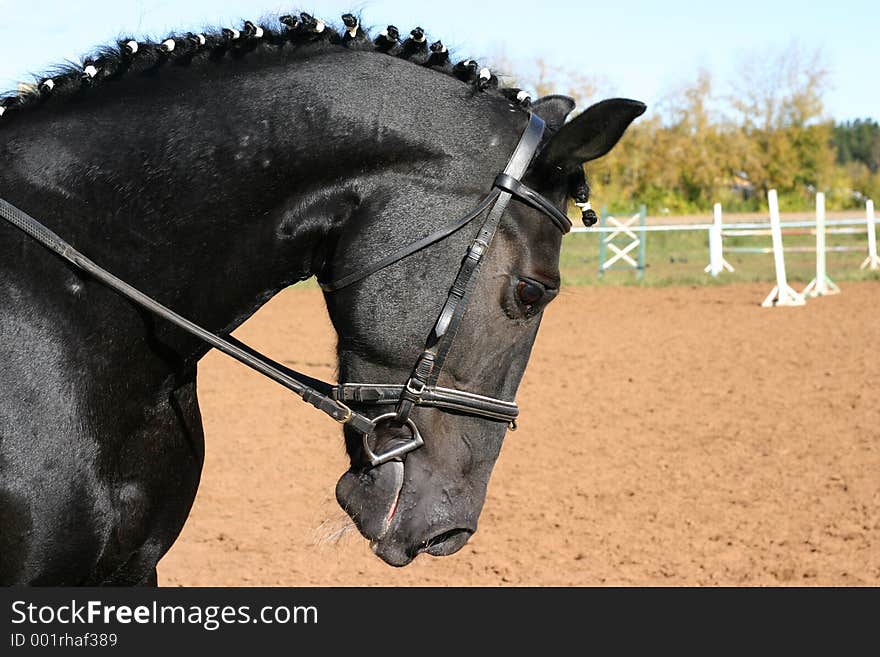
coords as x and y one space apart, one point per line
211 193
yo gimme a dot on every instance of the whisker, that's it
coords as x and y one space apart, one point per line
331 531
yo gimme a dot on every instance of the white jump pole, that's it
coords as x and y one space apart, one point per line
782 294
872 261
716 249
822 285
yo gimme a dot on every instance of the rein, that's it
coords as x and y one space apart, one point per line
421 388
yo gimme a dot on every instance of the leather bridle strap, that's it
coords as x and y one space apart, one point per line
410 249
290 379
430 362
530 197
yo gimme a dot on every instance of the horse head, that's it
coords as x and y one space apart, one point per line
429 500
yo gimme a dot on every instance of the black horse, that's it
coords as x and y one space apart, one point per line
211 171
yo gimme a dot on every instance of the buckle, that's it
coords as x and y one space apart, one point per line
348 413
410 387
478 248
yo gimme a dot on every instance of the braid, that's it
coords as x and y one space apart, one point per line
466 71
310 28
130 54
439 56
289 21
415 48
253 31
581 195
518 96
486 80
388 40
354 34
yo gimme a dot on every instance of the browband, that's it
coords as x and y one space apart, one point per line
530 197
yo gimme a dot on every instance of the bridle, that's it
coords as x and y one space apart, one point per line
421 389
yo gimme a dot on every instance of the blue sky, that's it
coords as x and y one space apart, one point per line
640 49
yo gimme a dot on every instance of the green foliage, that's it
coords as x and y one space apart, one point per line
674 169
858 141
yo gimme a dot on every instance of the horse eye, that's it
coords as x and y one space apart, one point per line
529 292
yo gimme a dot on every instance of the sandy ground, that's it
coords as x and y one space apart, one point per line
669 436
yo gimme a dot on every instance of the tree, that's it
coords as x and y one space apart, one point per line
858 141
777 98
777 89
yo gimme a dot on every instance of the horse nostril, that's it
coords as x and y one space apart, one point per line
445 543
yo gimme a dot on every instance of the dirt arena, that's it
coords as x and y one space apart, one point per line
669 436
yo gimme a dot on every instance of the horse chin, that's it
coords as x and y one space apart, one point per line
392 553
371 497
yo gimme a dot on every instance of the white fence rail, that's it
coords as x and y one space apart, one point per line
782 294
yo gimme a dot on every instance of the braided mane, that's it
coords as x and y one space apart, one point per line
130 57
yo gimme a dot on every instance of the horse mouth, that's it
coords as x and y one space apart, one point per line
371 498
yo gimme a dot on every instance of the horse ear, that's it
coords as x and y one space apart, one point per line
553 109
591 134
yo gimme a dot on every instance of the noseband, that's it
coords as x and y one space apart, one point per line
421 388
